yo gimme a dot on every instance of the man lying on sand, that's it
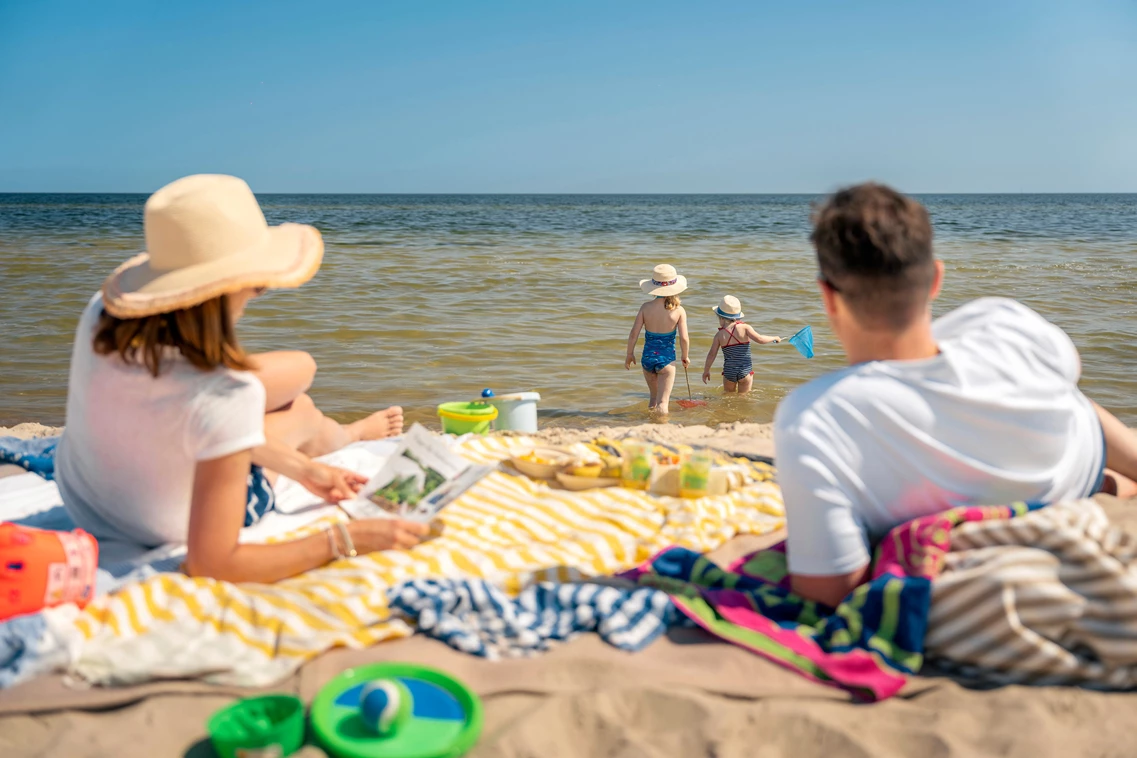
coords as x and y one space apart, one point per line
981 406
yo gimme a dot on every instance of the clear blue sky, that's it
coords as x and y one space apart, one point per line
573 96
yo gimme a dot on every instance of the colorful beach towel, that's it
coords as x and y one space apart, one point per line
867 645
507 530
478 618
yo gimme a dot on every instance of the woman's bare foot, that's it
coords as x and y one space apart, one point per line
379 425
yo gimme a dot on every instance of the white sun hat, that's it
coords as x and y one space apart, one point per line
664 281
207 236
729 308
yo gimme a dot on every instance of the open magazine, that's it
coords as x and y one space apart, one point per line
420 478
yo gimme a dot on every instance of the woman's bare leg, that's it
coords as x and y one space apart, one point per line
301 425
729 386
745 384
285 374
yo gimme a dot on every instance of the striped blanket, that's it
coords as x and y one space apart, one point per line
507 530
475 617
1000 594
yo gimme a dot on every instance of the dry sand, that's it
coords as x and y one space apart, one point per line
684 696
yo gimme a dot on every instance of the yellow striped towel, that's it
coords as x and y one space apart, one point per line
507 529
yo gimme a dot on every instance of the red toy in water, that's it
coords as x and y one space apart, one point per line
41 568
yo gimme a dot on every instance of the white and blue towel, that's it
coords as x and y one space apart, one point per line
478 618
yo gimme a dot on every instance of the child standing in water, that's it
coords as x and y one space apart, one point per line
734 337
661 318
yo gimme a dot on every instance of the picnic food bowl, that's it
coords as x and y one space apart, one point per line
542 462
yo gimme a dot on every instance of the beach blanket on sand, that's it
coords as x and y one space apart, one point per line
1014 594
477 618
36 455
507 530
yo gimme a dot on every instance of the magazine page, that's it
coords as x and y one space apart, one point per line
420 478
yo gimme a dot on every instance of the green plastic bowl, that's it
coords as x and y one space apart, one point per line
466 418
273 724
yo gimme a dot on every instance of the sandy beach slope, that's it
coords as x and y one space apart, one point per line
683 696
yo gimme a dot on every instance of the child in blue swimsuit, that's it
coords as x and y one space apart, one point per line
734 337
661 319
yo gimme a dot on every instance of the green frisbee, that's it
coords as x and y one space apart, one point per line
445 718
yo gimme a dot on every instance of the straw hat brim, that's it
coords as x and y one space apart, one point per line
649 288
288 256
732 316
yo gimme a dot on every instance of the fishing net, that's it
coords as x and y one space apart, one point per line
803 341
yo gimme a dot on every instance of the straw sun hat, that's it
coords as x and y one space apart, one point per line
206 236
729 308
664 281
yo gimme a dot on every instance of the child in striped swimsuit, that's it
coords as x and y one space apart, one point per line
734 338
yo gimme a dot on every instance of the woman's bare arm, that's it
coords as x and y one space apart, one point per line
217 514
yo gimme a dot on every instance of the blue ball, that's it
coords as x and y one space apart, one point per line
383 705
487 392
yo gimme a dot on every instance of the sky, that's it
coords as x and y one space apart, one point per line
580 96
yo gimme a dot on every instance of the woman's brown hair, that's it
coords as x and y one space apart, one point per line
204 334
671 302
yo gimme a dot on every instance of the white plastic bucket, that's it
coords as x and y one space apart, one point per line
516 412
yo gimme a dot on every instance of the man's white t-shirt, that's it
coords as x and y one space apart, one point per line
995 418
125 465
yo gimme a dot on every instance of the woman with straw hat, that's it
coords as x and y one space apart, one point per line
661 319
173 431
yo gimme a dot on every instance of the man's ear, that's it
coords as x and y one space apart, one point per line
828 298
938 282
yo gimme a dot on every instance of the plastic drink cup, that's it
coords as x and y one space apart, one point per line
695 473
636 465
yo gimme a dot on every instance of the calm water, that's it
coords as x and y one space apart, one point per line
425 299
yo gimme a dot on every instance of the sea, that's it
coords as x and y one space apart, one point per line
424 299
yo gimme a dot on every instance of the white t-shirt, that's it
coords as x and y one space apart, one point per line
125 466
995 418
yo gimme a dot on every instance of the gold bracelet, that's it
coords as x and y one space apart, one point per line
346 539
336 554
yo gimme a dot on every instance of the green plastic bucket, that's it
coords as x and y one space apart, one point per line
466 418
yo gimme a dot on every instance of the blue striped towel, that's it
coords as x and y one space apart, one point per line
478 618
35 455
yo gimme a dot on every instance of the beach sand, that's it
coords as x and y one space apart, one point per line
685 695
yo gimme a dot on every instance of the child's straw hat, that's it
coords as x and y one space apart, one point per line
729 308
206 236
664 281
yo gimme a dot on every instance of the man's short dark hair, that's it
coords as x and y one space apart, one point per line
874 247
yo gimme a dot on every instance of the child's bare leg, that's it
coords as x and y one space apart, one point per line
729 386
1120 454
745 384
652 380
666 382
